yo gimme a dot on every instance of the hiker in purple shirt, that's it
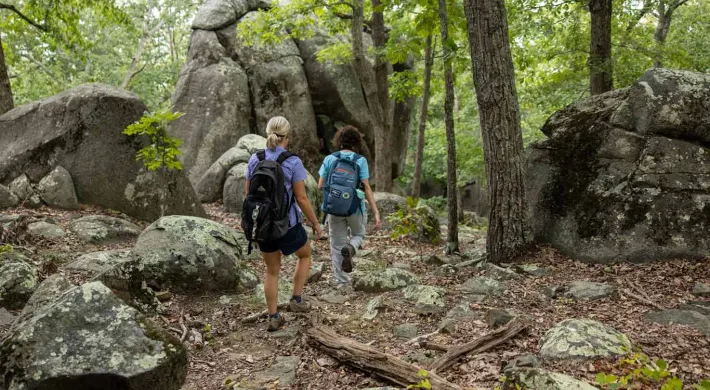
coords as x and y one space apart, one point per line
296 239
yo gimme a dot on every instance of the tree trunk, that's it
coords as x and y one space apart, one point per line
419 158
600 66
383 166
6 103
494 79
662 27
452 239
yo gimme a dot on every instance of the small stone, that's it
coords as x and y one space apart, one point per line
681 317
462 311
583 339
101 229
406 331
702 307
163 296
580 290
468 263
326 361
389 279
284 370
57 190
532 269
21 187
334 299
287 333
7 198
434 260
523 361
446 270
429 299
701 290
316 272
45 230
495 318
227 300
482 285
447 326
373 308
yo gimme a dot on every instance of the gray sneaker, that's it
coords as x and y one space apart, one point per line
275 323
299 307
348 253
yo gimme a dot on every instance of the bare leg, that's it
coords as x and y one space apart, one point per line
271 284
303 268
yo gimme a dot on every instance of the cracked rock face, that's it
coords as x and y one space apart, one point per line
625 176
88 339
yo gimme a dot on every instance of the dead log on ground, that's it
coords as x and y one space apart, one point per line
481 344
372 361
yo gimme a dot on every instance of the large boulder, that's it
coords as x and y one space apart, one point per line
95 263
213 92
583 339
388 204
7 198
89 339
102 229
190 254
212 182
625 176
81 131
279 88
234 186
335 90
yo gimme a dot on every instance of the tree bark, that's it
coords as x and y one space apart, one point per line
600 66
383 166
452 239
423 110
494 79
6 103
372 361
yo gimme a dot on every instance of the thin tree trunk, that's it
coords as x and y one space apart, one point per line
452 239
600 67
6 103
665 15
383 166
494 79
132 71
419 158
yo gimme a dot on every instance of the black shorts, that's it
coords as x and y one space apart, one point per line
295 239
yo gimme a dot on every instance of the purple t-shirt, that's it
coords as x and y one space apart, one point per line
294 172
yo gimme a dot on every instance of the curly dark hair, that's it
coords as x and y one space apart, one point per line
348 137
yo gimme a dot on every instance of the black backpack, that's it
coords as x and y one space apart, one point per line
266 207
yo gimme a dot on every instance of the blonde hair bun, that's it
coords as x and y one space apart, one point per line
276 130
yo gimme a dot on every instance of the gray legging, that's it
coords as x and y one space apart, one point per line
338 231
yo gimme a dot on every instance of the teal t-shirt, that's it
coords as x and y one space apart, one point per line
330 161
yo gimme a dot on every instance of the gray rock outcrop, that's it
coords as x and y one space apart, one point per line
101 229
82 125
57 189
625 176
583 339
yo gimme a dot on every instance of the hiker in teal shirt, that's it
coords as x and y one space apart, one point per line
348 140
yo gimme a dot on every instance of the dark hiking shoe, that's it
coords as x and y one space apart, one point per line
348 253
299 307
275 323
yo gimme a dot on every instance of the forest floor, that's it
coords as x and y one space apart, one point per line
243 352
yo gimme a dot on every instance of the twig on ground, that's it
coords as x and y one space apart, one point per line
642 299
481 344
255 317
434 346
422 337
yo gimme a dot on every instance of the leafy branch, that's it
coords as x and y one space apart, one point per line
164 149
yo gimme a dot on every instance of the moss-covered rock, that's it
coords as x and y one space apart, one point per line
428 299
89 339
539 379
583 339
18 280
625 176
102 229
48 291
389 279
95 263
190 254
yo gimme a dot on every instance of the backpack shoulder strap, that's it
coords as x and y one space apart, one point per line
284 156
261 154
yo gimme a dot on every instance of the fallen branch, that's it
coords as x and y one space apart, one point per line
372 361
642 299
481 344
422 337
434 346
255 317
